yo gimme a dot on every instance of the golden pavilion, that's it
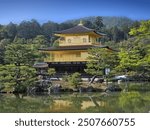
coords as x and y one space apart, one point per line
72 51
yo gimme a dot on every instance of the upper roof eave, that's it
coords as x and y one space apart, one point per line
79 29
67 48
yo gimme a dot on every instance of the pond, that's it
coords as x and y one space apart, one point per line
110 102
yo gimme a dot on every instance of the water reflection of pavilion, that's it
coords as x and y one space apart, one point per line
58 105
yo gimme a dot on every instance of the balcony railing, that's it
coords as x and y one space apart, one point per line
64 59
64 43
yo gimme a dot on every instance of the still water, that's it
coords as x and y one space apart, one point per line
111 102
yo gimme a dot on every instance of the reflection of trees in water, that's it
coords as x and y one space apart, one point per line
103 103
26 104
112 102
124 102
133 102
135 86
94 101
143 86
76 103
81 103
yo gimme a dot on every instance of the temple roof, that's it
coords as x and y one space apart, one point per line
83 47
40 65
78 29
60 48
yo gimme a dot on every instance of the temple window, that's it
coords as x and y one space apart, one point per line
69 40
89 39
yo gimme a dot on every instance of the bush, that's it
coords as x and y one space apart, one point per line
75 79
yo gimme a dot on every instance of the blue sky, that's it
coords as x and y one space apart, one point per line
62 10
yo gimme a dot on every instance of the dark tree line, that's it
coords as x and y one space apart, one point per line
30 29
43 34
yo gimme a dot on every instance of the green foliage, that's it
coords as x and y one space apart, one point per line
130 59
3 33
17 75
109 22
98 23
29 29
143 30
3 44
19 54
17 78
87 23
51 71
75 79
49 28
11 30
134 59
134 56
1 87
65 77
66 25
146 60
115 28
56 43
117 34
99 59
40 41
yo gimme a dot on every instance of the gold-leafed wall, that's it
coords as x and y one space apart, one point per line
66 56
72 40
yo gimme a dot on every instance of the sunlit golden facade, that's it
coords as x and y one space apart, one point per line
72 47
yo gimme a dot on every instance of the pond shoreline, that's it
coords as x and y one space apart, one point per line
111 87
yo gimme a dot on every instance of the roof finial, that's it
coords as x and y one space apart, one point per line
81 23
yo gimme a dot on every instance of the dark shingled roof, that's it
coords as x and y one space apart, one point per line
78 29
60 48
83 47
